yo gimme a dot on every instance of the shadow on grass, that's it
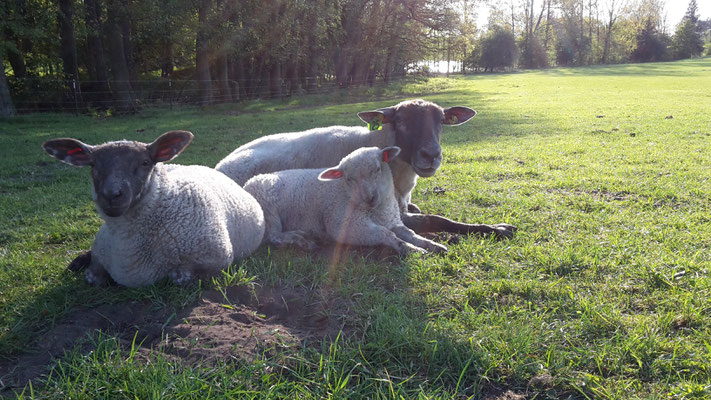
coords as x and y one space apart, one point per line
385 329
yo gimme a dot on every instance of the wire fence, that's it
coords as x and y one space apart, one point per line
42 94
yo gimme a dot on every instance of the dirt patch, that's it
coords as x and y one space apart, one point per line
503 395
237 323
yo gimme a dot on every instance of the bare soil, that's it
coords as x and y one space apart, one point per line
239 323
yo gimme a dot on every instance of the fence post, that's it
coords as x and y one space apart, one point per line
170 92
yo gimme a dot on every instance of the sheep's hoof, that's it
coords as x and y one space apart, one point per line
181 277
81 262
97 277
503 231
439 249
412 208
407 248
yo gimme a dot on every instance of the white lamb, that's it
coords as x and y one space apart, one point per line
161 220
352 203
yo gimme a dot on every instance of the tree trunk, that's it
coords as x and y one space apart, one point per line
223 82
237 75
69 52
202 54
7 109
548 26
606 46
68 42
17 62
128 45
275 81
167 66
96 60
123 100
15 56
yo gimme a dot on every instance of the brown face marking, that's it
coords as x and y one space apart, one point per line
418 125
120 171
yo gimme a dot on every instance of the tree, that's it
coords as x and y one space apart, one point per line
614 8
68 42
572 46
124 101
532 52
650 45
96 59
498 49
68 50
691 13
6 107
202 53
687 42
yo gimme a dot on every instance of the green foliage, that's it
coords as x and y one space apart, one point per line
498 49
532 54
687 41
604 290
650 46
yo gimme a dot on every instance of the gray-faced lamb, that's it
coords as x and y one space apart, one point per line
161 220
414 126
352 203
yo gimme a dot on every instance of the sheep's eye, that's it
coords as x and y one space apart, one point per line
146 163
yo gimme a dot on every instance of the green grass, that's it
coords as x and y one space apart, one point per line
606 287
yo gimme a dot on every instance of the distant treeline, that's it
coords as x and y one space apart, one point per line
119 54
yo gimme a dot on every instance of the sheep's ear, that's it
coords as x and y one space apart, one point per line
457 115
330 174
389 153
70 151
387 115
169 145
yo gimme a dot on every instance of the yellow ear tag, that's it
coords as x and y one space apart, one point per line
453 120
376 124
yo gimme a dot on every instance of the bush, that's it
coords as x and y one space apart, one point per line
498 49
533 55
651 46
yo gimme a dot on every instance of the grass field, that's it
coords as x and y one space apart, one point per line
603 293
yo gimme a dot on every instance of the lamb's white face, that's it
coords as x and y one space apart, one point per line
367 176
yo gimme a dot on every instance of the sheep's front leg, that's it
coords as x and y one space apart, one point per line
293 238
275 236
96 275
410 236
81 262
436 223
366 233
413 208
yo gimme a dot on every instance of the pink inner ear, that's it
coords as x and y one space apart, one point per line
385 156
74 150
332 174
172 142
165 152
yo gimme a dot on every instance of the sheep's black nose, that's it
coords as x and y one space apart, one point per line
113 194
429 154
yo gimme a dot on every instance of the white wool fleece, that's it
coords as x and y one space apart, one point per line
299 208
189 217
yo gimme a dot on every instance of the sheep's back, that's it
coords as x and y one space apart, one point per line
298 198
314 148
211 199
